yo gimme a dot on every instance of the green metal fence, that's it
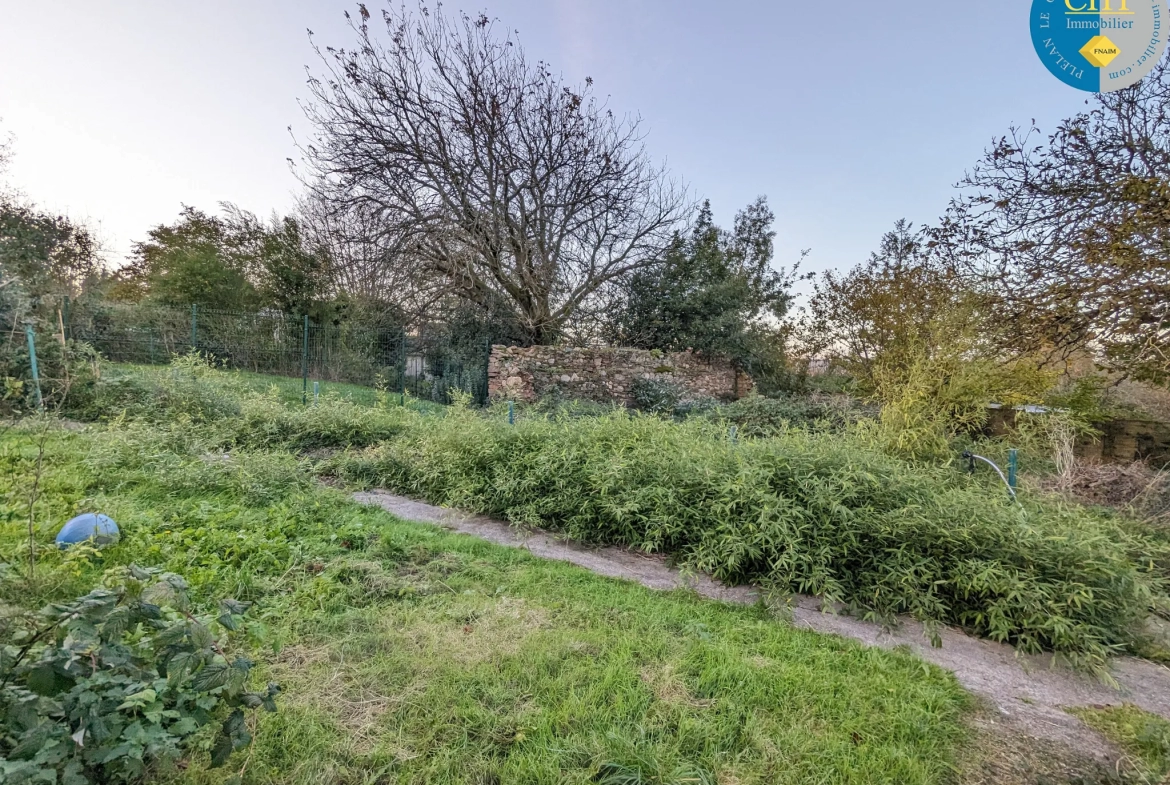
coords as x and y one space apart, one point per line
426 362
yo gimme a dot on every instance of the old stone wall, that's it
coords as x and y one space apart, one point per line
605 374
1116 441
1129 440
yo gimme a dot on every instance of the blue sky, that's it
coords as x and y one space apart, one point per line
846 115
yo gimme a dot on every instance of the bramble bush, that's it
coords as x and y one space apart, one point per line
120 681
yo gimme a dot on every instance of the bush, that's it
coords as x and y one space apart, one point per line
265 422
188 390
758 416
822 515
68 375
929 399
118 682
665 396
803 511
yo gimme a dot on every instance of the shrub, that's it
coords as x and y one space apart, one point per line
265 422
657 396
188 390
807 513
118 682
664 396
758 416
68 374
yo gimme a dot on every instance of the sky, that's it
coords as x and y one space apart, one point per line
847 115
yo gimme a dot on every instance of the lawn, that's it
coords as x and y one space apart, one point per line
408 654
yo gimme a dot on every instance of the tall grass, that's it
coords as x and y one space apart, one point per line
408 654
807 513
802 511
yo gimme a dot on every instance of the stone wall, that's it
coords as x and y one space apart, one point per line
604 374
1117 441
1129 440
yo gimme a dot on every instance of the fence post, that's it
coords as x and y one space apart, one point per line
32 356
316 393
194 325
1013 467
511 413
305 364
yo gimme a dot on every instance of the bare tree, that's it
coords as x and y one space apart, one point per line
367 263
484 169
1072 231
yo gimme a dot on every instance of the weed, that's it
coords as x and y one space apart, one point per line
1144 737
491 665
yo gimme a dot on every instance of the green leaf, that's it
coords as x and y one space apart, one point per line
234 607
269 701
44 679
201 637
221 750
138 699
31 741
212 675
73 774
184 727
180 666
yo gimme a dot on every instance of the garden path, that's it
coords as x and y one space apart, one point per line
1028 692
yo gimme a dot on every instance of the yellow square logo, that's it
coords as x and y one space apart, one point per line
1100 51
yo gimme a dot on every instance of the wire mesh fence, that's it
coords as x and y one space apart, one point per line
425 362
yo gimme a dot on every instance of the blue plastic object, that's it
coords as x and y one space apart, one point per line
91 526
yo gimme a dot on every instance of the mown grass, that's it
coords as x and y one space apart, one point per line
412 655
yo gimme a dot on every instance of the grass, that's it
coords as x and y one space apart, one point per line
408 654
1144 737
814 512
412 655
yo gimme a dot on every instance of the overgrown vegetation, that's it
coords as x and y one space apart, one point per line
758 416
1144 737
813 506
114 684
806 513
413 655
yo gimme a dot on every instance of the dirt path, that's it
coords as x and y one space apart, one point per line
1027 692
